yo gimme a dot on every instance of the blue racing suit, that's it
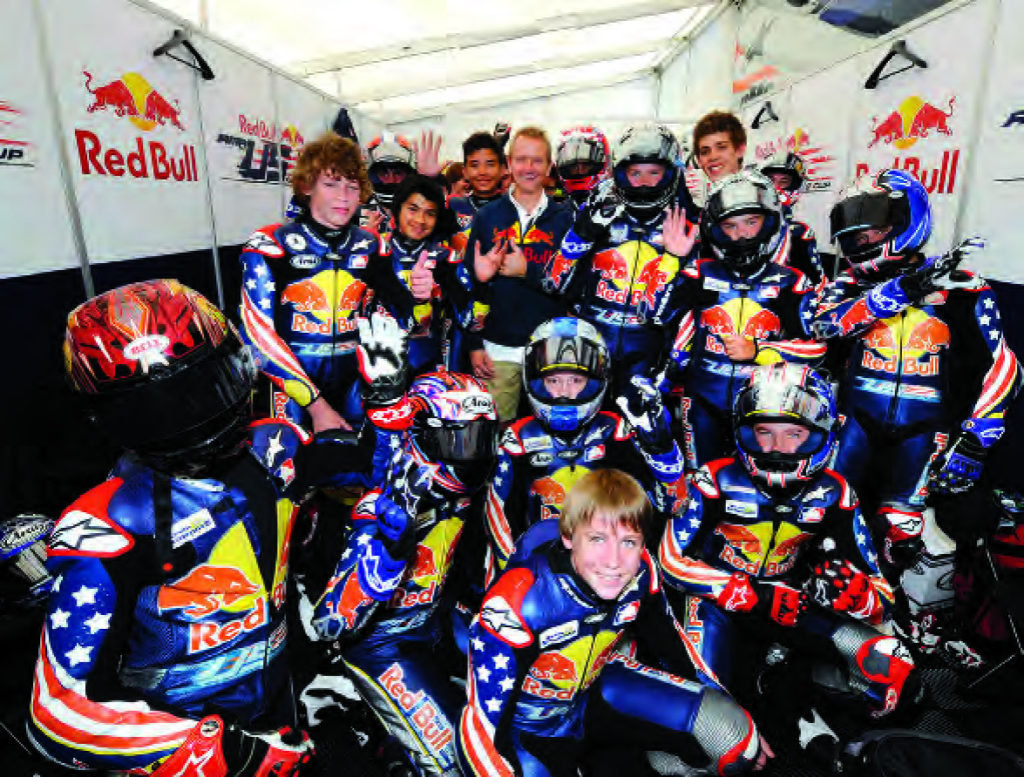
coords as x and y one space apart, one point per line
802 254
536 469
450 305
617 284
168 601
303 286
772 306
747 557
916 373
552 674
384 603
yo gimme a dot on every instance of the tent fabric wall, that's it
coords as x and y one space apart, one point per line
169 174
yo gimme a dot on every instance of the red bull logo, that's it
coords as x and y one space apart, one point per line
744 547
426 572
133 97
351 600
785 551
537 235
551 490
908 344
554 666
311 298
652 279
560 267
428 721
738 316
913 120
207 590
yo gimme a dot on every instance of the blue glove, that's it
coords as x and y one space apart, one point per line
959 467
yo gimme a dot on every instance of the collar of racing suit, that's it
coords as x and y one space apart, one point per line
333 237
408 247
479 200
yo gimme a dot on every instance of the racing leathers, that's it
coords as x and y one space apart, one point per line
536 469
926 380
303 286
465 210
802 253
797 568
553 674
450 304
618 280
771 305
384 604
168 604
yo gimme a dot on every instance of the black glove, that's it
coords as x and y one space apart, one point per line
600 210
938 272
959 467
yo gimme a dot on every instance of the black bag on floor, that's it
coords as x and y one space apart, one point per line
906 753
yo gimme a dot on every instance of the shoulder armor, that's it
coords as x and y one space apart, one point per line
264 241
87 528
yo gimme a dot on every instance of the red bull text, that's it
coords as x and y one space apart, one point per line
426 718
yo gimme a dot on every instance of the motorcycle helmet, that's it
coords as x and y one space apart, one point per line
785 163
740 194
388 154
24 581
583 159
455 428
785 393
565 344
893 203
162 372
650 143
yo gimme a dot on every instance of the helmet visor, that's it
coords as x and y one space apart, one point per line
163 410
458 441
851 219
773 401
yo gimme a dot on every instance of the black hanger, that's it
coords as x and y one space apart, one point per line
180 38
898 49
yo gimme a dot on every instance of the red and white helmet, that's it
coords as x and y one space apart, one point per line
162 372
583 158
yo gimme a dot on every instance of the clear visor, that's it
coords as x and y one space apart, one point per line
578 150
738 197
771 401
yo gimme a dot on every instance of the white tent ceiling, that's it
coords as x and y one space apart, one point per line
397 60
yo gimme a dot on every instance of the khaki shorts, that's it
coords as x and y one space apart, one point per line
505 387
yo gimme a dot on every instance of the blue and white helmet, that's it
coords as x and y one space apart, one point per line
892 200
785 393
565 344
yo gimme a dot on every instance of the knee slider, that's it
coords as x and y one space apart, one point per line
726 733
881 668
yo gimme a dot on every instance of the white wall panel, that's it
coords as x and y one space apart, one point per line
34 216
995 200
131 129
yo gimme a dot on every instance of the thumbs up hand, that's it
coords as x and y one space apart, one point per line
421 278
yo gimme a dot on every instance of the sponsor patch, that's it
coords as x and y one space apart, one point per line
532 444
714 284
191 526
541 459
738 507
295 241
626 613
559 633
304 261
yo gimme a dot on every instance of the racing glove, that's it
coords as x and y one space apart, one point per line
901 529
938 272
600 210
214 749
642 407
959 467
776 600
835 584
383 359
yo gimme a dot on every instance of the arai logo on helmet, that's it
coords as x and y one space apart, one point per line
477 403
146 346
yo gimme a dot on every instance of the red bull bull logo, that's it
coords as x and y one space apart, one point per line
908 344
551 489
554 666
210 589
913 120
352 598
132 96
737 316
785 551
